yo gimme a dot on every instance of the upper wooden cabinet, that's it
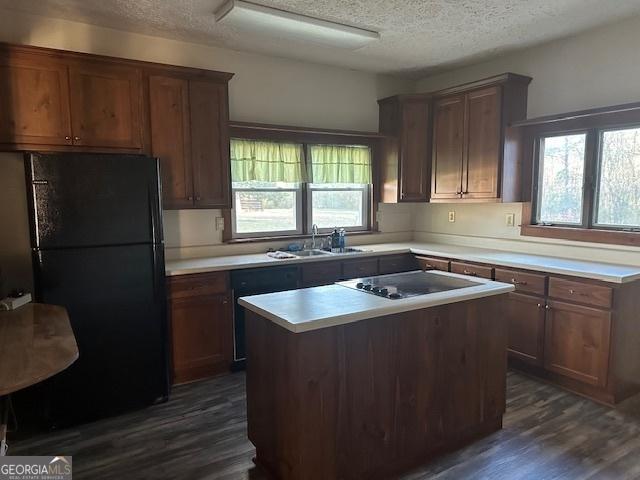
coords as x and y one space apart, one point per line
188 119
34 99
475 153
106 105
406 152
448 151
52 100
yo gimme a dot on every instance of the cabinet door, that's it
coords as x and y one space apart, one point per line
171 138
202 333
448 135
321 273
34 100
525 320
483 133
105 105
210 144
397 264
367 267
415 152
577 342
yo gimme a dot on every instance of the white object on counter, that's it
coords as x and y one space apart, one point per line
12 303
309 309
280 255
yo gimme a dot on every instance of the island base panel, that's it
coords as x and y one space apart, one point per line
373 398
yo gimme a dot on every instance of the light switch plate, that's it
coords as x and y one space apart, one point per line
452 217
510 219
219 223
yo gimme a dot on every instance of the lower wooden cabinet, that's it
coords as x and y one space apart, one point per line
320 273
201 313
577 342
472 270
432 263
397 264
367 267
525 319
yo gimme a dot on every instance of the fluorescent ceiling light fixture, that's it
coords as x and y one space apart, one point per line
280 23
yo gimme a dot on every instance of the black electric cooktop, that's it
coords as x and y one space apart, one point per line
409 284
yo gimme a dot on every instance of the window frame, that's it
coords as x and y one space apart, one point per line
299 192
306 137
366 200
594 122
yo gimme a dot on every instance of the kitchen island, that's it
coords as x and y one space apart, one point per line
344 383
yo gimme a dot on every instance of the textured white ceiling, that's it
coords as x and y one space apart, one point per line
417 36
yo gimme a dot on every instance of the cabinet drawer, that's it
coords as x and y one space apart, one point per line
431 263
580 292
523 281
321 273
185 286
397 264
360 268
472 270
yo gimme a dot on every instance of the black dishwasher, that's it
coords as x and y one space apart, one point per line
255 281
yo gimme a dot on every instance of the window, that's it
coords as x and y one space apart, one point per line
589 179
618 187
562 162
282 188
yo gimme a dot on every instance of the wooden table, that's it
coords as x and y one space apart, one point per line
36 342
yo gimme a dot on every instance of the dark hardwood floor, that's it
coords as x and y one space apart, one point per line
201 434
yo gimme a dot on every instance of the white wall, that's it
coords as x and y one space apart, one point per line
594 69
264 89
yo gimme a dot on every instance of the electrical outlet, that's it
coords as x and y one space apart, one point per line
452 217
510 219
219 223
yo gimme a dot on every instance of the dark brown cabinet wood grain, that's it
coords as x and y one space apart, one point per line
432 263
189 134
448 148
171 138
106 105
474 158
577 342
472 269
406 157
397 263
210 144
525 320
34 100
201 313
480 179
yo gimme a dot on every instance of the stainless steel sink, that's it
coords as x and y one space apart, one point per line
310 253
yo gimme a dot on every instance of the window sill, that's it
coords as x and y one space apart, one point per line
593 235
295 237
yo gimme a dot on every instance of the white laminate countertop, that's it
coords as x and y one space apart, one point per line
606 272
313 308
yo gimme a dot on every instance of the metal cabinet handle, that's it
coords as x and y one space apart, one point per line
516 282
190 198
429 267
67 137
539 305
198 198
572 291
468 272
76 138
547 307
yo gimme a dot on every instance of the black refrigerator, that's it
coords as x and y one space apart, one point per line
96 232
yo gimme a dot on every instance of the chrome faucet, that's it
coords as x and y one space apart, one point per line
314 232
